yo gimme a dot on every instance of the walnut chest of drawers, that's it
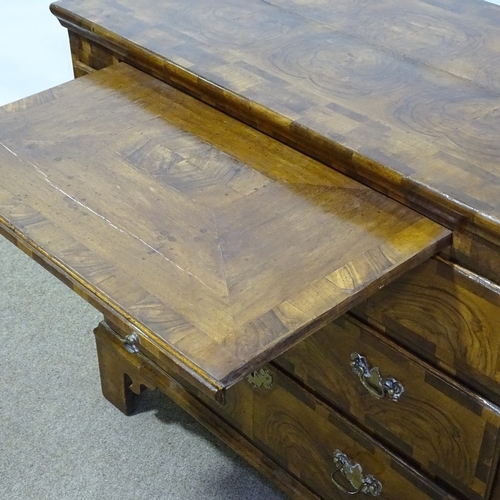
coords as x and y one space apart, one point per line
288 214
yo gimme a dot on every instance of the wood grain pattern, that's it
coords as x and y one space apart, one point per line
301 434
475 254
460 37
219 243
122 377
437 423
87 57
137 370
356 84
468 249
448 316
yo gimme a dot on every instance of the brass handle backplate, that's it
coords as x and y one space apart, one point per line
353 474
372 380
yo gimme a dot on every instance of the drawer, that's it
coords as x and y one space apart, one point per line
449 431
448 316
211 241
303 435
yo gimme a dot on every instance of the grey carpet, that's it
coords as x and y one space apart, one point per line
60 439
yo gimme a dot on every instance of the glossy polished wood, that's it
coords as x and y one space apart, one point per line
450 431
127 369
294 449
221 245
403 95
284 431
118 188
301 433
446 315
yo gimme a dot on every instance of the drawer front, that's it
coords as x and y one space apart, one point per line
448 430
302 435
446 315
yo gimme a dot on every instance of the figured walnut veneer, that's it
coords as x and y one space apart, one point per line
221 245
403 95
286 432
124 375
447 315
450 431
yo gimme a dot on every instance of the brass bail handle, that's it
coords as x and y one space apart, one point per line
353 474
373 381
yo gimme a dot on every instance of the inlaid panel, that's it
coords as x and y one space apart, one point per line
447 315
403 95
222 246
448 430
123 373
279 428
302 434
460 37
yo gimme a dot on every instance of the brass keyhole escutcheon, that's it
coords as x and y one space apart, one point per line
260 379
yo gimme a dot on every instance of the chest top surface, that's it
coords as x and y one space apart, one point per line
223 245
402 94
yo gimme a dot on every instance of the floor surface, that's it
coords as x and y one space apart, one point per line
59 438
